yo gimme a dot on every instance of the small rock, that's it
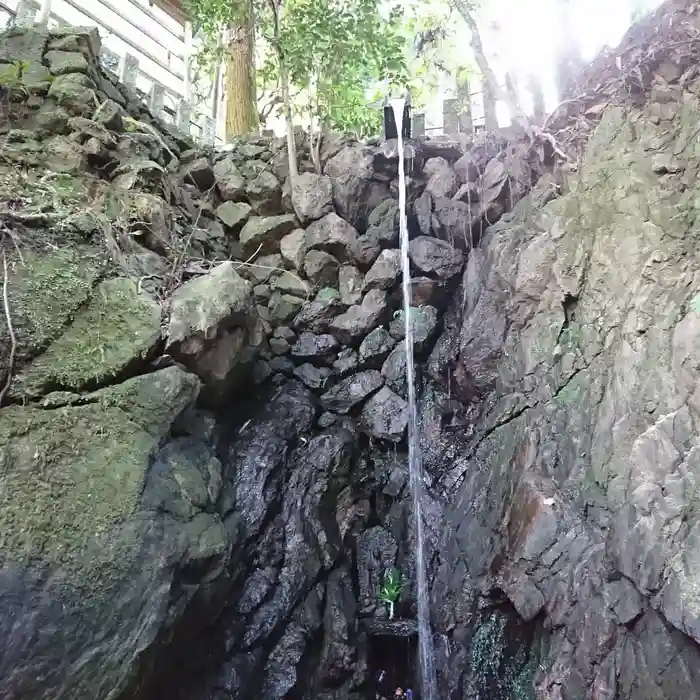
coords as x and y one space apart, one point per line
289 283
424 292
292 247
312 196
385 271
263 234
375 348
346 362
284 332
321 268
351 391
423 209
229 181
360 319
262 269
394 370
279 346
310 346
350 281
317 315
326 419
384 224
424 321
74 91
332 235
366 250
313 377
441 179
233 214
110 115
262 292
433 256
63 62
265 194
385 416
284 307
455 222
282 364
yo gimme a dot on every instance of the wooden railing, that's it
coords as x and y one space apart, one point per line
144 46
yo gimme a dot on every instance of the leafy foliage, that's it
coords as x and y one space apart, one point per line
391 587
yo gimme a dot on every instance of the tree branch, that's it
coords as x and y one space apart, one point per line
497 91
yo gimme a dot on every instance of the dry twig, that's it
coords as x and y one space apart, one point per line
13 339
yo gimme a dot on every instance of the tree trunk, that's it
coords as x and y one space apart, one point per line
495 91
538 106
241 94
569 62
284 85
490 111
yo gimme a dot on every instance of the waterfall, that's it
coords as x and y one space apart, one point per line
415 467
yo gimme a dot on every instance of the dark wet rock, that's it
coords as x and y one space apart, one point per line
312 196
441 179
366 250
284 307
279 346
436 257
326 419
466 169
424 322
385 416
261 371
351 391
454 222
317 315
263 234
350 281
351 326
332 235
284 332
394 370
375 348
355 193
313 377
310 346
283 365
391 628
383 224
385 271
425 291
321 268
346 362
292 248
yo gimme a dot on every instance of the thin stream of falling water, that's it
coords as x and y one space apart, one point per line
415 466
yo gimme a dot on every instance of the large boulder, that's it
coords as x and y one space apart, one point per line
333 235
435 257
353 325
355 192
262 234
312 196
212 328
93 539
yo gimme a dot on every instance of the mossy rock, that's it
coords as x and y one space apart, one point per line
118 327
68 478
45 290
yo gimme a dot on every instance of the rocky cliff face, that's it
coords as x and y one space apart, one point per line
202 461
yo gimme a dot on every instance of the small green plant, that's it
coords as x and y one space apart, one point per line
391 589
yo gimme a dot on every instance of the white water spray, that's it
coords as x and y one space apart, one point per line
415 466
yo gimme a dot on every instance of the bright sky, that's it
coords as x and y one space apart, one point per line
529 32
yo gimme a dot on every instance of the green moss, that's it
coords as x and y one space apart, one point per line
44 294
117 327
68 478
